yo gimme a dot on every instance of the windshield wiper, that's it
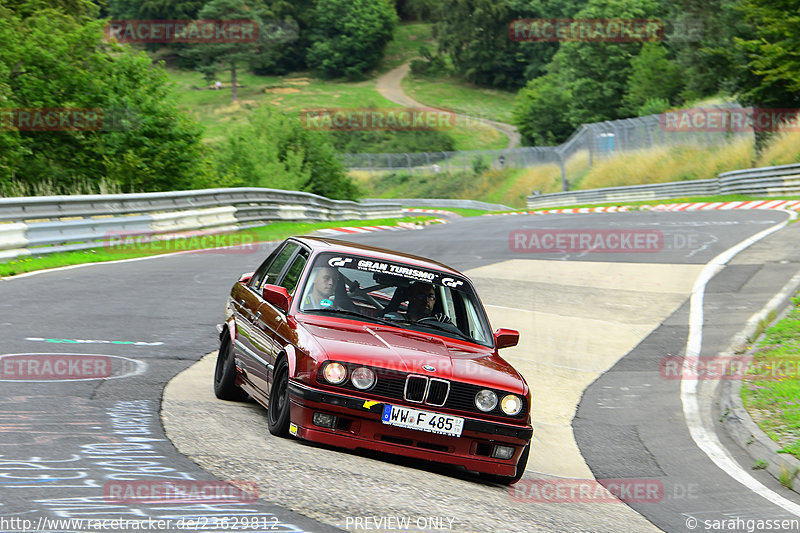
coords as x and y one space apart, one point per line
441 326
350 313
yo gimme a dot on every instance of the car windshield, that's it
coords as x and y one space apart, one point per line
396 293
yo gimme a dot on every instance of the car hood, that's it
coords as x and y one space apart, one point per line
407 351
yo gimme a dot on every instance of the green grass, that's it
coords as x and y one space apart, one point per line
271 232
474 135
771 388
451 93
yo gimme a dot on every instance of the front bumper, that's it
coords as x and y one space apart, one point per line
359 426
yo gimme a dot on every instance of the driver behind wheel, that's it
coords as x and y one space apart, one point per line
421 303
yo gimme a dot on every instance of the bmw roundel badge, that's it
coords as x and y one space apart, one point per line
429 368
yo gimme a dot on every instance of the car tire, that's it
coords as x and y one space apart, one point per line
510 480
278 406
225 374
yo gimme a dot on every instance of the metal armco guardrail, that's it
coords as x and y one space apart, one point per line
442 202
41 225
769 181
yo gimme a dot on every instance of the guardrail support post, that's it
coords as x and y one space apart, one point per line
564 184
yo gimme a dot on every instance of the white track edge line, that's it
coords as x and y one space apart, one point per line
705 440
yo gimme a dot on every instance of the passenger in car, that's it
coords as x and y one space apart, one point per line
322 289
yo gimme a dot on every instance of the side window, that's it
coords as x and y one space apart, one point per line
476 330
272 267
292 276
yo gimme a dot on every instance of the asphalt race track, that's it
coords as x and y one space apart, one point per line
596 329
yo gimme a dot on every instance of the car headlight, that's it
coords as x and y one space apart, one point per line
511 404
486 400
335 373
363 378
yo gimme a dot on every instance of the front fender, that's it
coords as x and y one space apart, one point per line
291 357
230 323
302 367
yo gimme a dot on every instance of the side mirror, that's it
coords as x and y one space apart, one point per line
506 338
245 278
277 296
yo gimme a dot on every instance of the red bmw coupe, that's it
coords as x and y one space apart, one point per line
361 347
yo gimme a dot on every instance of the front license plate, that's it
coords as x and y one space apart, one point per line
404 417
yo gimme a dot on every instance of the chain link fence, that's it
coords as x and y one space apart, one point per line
593 142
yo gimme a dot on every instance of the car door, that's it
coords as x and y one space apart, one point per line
273 321
255 344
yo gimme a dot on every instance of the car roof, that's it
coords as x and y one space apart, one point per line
323 244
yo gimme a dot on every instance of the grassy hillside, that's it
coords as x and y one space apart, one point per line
298 91
461 97
215 110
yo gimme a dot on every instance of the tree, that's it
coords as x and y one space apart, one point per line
772 76
596 73
540 112
773 55
82 10
155 9
48 59
231 55
653 76
421 10
700 40
350 36
289 54
475 33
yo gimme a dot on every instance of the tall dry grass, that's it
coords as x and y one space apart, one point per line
784 149
665 164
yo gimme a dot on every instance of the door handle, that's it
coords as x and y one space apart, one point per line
258 315
241 302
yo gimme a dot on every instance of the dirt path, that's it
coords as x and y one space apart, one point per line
390 86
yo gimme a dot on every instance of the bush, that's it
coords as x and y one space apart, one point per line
273 150
430 64
363 142
479 165
350 36
541 112
653 106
